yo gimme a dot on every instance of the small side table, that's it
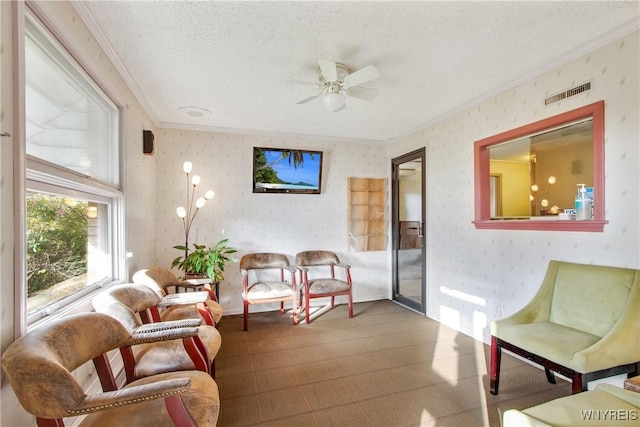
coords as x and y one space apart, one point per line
197 284
632 384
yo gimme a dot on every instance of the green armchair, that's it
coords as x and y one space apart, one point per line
583 323
606 405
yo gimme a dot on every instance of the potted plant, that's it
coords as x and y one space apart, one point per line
205 261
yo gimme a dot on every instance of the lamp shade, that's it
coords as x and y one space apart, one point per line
333 101
187 166
200 202
182 212
195 180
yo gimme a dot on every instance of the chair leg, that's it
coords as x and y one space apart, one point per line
333 302
281 307
294 313
577 385
350 305
550 376
494 378
129 363
105 374
306 306
246 314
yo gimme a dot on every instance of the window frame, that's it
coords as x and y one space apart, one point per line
41 175
42 183
482 173
45 40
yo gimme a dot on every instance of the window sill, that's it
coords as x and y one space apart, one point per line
81 305
537 225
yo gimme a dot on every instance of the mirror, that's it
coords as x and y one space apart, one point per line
528 178
538 175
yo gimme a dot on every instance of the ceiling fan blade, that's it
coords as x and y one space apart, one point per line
329 70
309 99
303 83
366 93
363 75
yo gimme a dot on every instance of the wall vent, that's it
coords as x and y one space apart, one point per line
568 93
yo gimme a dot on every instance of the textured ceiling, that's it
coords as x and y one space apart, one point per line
234 58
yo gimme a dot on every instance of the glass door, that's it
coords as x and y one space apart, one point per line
408 211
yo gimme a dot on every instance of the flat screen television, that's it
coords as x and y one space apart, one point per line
281 170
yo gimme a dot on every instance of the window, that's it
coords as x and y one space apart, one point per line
70 121
67 246
527 178
74 204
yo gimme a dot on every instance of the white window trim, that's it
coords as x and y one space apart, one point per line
77 302
38 168
49 173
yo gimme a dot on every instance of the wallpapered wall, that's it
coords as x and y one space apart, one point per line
284 223
469 270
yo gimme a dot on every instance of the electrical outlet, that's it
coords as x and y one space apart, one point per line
497 310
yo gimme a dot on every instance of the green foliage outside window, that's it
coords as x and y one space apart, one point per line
56 240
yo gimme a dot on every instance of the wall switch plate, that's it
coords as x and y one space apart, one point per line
497 310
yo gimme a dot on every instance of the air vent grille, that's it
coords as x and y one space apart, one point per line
568 93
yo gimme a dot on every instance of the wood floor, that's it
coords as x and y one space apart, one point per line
387 366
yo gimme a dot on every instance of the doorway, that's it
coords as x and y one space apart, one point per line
407 216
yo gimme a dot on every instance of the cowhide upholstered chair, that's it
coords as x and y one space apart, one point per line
157 352
264 281
40 368
318 278
186 305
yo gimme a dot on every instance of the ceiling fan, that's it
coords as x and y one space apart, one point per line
336 83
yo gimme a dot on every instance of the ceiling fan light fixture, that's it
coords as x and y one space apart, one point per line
336 83
333 101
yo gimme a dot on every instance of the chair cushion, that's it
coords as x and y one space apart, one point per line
202 401
170 356
269 290
603 406
326 286
179 312
553 342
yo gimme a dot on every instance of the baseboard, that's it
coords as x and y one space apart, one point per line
261 308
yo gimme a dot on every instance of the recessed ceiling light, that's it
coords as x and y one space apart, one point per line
194 111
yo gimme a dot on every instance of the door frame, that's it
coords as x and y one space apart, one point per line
419 154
